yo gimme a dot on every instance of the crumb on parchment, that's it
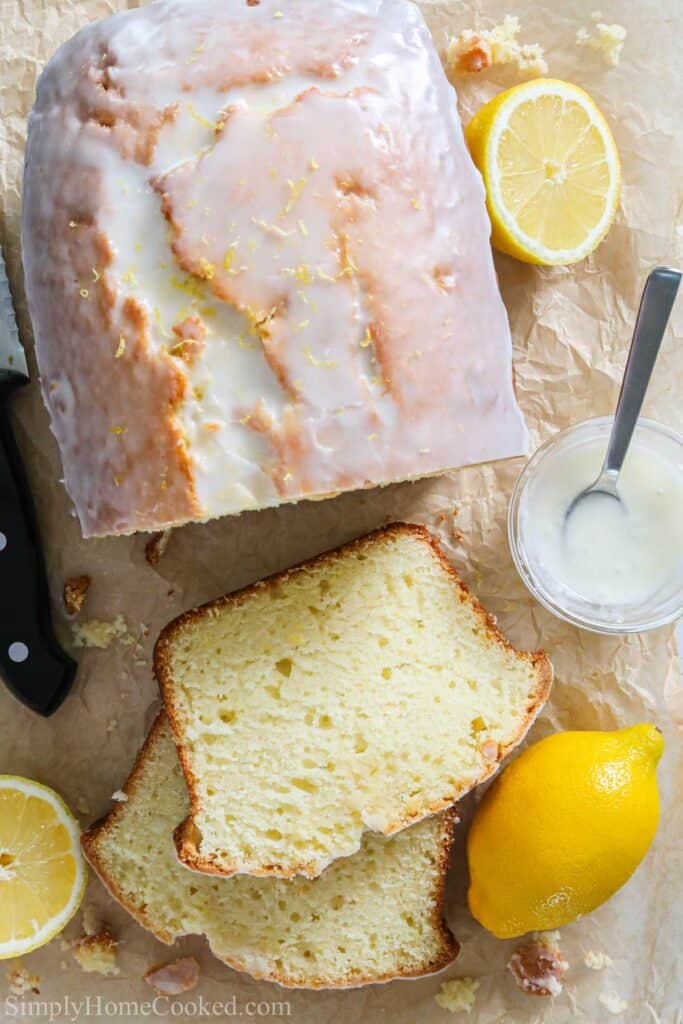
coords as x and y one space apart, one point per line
606 40
96 954
597 960
22 981
538 966
100 634
91 921
457 995
475 50
174 978
156 546
75 591
613 1002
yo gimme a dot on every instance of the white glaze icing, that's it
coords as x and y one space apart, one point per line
610 554
319 145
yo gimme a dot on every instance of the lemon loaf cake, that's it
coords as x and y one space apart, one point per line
257 261
358 692
368 918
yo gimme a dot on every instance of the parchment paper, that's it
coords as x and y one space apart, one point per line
571 331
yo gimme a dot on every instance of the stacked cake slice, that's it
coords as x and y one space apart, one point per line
370 917
325 722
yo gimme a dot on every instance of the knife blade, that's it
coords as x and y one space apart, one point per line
32 664
12 355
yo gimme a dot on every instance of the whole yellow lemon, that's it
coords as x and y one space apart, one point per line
562 828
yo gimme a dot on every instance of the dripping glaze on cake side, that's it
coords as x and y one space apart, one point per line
257 261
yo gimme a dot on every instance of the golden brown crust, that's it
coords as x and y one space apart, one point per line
130 451
187 835
99 828
113 400
449 946
102 941
155 547
75 591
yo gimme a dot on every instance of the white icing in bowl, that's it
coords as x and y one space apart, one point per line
609 569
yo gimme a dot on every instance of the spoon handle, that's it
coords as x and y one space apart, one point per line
655 306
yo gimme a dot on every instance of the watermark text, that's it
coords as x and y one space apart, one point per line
67 1009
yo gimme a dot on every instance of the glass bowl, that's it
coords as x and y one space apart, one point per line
658 608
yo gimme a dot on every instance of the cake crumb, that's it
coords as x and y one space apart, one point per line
489 750
96 954
607 40
156 546
538 966
82 805
112 724
458 995
21 980
75 591
473 51
91 922
174 978
98 633
548 938
613 1002
597 960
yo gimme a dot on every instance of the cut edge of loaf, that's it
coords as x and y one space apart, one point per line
187 835
98 830
448 945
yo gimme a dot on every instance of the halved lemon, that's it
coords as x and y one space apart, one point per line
551 170
42 870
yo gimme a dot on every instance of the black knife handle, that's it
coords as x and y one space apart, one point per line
32 663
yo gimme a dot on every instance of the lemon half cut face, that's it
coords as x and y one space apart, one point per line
551 170
42 869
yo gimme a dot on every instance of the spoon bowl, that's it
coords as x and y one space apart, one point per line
605 486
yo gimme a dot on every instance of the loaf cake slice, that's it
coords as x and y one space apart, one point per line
361 691
369 918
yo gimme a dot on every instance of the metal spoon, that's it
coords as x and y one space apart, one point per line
655 306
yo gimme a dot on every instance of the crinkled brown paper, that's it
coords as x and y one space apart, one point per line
571 331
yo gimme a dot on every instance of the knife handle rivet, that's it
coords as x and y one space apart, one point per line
18 652
3 541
